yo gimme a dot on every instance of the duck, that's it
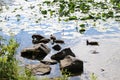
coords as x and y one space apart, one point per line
94 43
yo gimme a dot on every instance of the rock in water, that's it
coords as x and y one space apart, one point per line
57 47
59 41
39 69
49 62
37 52
62 54
44 40
37 36
71 66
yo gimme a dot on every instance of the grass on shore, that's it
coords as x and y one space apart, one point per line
9 69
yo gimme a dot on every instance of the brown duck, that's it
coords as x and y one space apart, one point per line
92 43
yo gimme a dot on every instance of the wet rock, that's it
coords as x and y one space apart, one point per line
59 41
37 52
57 47
37 37
50 62
71 66
62 54
39 69
34 41
44 40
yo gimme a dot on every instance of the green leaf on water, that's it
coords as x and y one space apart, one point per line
73 18
44 12
82 25
82 30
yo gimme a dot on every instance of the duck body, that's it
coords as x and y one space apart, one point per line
92 43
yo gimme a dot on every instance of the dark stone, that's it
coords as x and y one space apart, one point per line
37 52
37 37
71 66
62 54
34 41
39 69
44 40
57 47
59 41
50 62
93 43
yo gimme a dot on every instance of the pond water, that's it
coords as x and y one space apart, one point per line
105 64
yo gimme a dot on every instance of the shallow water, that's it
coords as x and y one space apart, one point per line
105 64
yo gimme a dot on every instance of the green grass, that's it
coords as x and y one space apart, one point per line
9 69
65 76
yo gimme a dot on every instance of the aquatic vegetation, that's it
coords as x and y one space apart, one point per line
9 69
80 6
84 10
65 76
64 10
93 77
